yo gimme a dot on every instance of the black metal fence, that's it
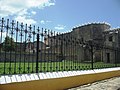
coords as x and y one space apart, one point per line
27 49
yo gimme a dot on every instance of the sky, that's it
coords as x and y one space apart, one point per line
61 15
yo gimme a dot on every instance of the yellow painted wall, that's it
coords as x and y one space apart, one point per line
60 83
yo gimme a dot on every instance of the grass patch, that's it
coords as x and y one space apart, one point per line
19 68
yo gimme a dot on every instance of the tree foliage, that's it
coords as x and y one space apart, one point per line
8 44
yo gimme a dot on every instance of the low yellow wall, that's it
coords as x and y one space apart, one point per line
60 83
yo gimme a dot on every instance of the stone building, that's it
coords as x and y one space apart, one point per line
90 34
111 53
104 41
31 46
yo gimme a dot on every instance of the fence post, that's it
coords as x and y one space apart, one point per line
92 56
37 53
91 51
61 51
116 56
61 47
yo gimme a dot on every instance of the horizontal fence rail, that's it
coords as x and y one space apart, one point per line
27 49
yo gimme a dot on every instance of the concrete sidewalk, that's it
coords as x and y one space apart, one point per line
109 84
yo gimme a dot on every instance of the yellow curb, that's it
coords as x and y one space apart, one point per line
59 83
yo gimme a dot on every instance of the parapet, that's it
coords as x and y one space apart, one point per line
103 25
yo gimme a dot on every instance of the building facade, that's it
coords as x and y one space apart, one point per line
99 37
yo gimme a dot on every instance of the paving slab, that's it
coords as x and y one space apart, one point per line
108 84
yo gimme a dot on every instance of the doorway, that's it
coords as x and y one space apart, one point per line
108 57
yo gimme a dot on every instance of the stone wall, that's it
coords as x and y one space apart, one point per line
90 32
94 32
111 55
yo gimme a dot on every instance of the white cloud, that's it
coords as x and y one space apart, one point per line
33 12
48 21
25 20
22 12
49 4
25 17
20 9
11 7
60 27
3 36
42 22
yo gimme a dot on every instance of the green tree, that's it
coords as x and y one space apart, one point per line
8 44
